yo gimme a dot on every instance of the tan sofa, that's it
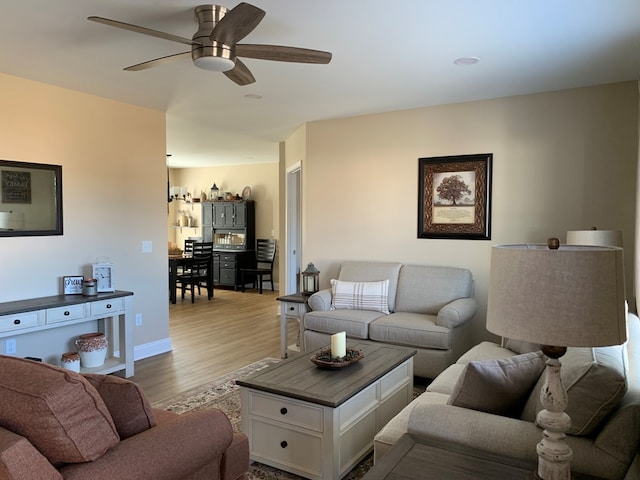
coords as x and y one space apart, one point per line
429 308
603 387
57 424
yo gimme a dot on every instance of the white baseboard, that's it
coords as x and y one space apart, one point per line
150 349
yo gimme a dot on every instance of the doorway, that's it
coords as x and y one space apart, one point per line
293 227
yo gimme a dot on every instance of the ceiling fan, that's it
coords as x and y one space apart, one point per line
214 46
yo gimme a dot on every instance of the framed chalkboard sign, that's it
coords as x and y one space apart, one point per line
30 199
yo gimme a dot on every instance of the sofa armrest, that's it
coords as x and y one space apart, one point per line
20 460
506 436
320 301
168 451
457 312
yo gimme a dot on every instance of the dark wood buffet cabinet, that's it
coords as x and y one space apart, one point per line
230 225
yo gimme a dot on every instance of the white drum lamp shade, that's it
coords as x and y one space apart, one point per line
609 238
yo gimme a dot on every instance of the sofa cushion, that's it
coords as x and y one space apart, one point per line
364 271
427 288
485 351
413 329
595 380
520 346
127 404
57 410
360 295
354 322
498 386
447 380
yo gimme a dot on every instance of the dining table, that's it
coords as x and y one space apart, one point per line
176 261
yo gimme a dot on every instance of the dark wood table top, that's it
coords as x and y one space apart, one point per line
294 298
297 377
30 304
419 458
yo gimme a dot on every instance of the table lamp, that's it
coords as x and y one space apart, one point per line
558 297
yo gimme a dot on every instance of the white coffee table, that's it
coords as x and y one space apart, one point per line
320 423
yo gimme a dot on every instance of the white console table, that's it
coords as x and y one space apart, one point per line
22 317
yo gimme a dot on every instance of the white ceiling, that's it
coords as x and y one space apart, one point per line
387 56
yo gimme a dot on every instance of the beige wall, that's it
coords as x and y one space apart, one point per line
113 176
562 161
261 177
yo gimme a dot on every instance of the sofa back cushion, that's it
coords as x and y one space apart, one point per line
57 410
127 404
426 289
364 271
595 380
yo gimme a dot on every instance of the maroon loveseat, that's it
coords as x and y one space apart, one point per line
57 424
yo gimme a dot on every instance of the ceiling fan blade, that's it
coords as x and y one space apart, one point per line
143 30
282 54
157 61
237 23
240 74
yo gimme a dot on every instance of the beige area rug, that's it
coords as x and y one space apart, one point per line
223 393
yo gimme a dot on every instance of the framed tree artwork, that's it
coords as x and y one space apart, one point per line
455 197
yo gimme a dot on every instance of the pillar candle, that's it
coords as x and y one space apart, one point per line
339 344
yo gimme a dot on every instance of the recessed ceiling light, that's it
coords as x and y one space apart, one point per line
253 96
464 61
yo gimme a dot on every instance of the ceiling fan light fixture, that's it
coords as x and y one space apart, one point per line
214 64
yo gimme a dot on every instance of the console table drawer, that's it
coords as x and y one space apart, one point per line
286 411
107 307
18 321
286 447
64 314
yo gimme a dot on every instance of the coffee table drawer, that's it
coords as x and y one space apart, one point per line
286 411
286 447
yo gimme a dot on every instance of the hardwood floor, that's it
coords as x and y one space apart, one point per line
212 338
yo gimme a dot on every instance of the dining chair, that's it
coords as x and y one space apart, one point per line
188 246
198 273
188 251
265 258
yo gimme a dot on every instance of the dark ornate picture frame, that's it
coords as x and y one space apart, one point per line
454 195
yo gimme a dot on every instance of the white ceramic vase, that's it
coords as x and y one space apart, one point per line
92 348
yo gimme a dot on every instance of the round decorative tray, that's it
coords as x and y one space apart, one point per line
323 358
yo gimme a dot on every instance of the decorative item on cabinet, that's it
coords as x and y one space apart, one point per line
103 273
72 285
89 287
70 361
310 280
92 349
214 191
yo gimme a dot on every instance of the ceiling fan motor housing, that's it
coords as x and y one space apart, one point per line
211 55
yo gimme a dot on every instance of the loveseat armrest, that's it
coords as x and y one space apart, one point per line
20 460
511 437
457 313
171 450
320 301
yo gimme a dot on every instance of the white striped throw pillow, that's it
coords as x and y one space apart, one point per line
360 295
